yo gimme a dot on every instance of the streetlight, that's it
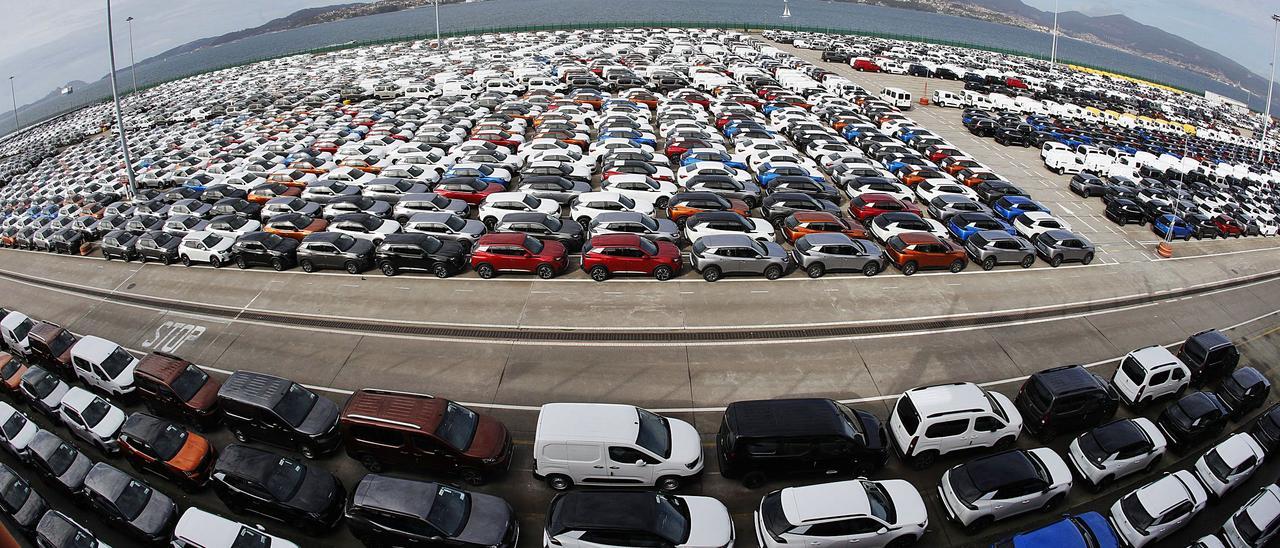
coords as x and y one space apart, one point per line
133 65
115 97
1266 117
1053 50
14 96
439 42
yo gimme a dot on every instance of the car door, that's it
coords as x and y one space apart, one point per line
252 497
1160 383
433 454
84 370
984 431
628 465
1172 520
77 426
950 435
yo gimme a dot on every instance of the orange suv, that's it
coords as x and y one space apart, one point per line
803 223
911 251
685 204
167 449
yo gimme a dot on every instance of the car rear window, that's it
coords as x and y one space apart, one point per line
1037 395
1133 370
907 415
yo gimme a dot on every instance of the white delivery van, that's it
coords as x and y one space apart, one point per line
896 97
944 98
387 91
1063 162
614 445
14 329
104 365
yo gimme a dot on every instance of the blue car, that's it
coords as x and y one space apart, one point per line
746 125
1088 530
1012 206
769 172
967 223
850 132
1166 223
482 173
691 158
635 137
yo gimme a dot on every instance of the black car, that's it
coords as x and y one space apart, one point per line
990 191
1195 417
252 480
357 204
415 251
158 246
1124 211
120 244
56 530
216 194
1209 355
125 502
984 127
839 57
59 461
1244 390
22 504
387 511
142 224
335 250
1266 429
617 517
264 248
40 388
1013 135
1087 185
1201 226
278 411
821 437
105 225
543 227
1114 191
1064 398
236 206
1154 208
66 241
804 185
780 205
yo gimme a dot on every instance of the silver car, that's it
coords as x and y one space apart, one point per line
989 248
943 206
716 255
411 204
631 222
446 226
826 252
1058 246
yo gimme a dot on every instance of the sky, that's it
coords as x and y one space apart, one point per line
48 43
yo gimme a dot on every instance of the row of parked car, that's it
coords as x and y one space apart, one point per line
613 445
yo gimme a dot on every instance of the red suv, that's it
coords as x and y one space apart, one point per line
1228 226
867 205
518 252
629 253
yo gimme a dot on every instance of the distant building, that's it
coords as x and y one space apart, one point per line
1224 101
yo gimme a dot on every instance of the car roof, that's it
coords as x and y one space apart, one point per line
523 217
992 472
945 398
825 501
826 238
1067 379
1153 357
93 349
913 238
503 238
1113 436
404 496
255 388
726 240
631 240
1160 495
604 510
392 409
786 418
588 421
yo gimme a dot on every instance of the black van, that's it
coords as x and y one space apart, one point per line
770 438
1064 398
279 411
1209 355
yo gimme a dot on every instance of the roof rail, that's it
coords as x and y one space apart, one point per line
397 392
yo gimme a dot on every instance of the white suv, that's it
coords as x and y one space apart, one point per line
104 365
205 247
1115 450
1226 465
862 512
1157 509
935 420
1148 374
979 492
1256 523
17 431
197 527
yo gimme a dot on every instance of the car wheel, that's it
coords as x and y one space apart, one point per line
979 524
440 270
662 273
106 256
388 269
277 264
816 270
1088 258
599 273
1028 261
352 267
585 222
558 482
668 484
186 261
1056 261
1047 434
1122 221
240 435
956 266
166 261
711 273
988 263
924 460
241 263
773 272
871 268
490 222
753 480
471 477
215 262
484 270
307 266
661 203
909 268
546 272
1103 482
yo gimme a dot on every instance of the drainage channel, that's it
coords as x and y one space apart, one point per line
622 335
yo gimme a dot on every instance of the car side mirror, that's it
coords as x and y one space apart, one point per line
640 462
882 531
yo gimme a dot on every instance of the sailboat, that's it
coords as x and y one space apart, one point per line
786 9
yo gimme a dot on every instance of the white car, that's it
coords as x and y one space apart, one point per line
1256 523
710 168
92 418
232 226
587 205
641 188
709 223
364 226
197 527
928 190
930 421
497 205
104 365
14 329
16 431
1226 465
844 513
1033 223
1115 450
205 247
979 492
1209 541
1148 374
1157 509
893 223
600 519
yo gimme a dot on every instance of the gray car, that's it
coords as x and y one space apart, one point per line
720 254
59 461
1059 246
21 503
544 227
747 191
144 512
825 252
992 247
411 204
943 206
631 222
446 226
553 187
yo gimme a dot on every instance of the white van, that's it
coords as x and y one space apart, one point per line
14 329
944 98
104 365
420 91
387 91
1063 162
614 445
896 97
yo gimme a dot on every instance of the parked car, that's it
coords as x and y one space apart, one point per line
931 421
205 247
1124 211
829 515
143 512
399 252
447 226
278 411
1228 464
19 502
92 419
979 492
617 518
43 390
173 387
544 227
56 530
1266 428
1115 450
16 431
1148 374
162 247
604 256
1194 418
1157 509
1209 355
332 250
821 252
252 480
198 527
1058 246
60 462
266 249
386 511
716 255
164 448
989 248
517 252
1064 398
1244 390
1256 523
912 251
1086 530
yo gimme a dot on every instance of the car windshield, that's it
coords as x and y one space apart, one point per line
169 441
458 426
1249 530
283 480
880 503
1092 449
133 499
96 411
553 223
161 238
963 485
897 244
62 458
15 494
272 241
439 201
296 403
10 367
1138 516
117 362
771 512
344 242
449 509
1219 467
455 223
21 331
189 382
249 538
907 414
672 523
211 240
14 425
648 247
655 434
533 245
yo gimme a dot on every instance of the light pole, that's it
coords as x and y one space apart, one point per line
133 65
1053 50
14 96
115 97
439 42
1266 117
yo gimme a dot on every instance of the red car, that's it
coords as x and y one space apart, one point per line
1228 226
468 189
867 205
865 65
518 252
610 254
